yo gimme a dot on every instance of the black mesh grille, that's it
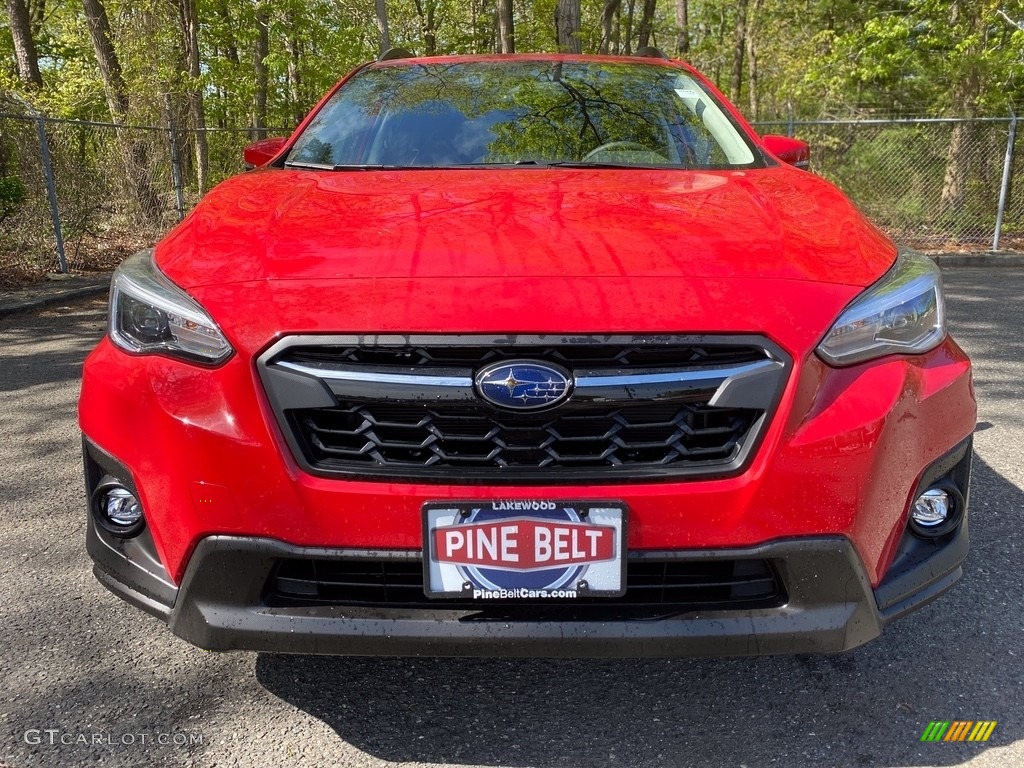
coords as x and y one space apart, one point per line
653 588
393 435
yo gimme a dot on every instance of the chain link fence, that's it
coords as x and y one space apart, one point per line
82 195
935 184
78 195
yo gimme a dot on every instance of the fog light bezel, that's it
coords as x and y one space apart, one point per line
99 514
958 506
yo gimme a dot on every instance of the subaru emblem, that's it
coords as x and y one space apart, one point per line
523 385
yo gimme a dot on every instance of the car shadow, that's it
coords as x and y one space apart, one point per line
47 348
957 659
980 304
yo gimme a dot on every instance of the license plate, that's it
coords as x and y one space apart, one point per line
524 549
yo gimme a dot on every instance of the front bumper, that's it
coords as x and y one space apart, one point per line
831 606
825 499
826 602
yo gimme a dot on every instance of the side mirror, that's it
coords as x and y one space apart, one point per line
792 151
261 152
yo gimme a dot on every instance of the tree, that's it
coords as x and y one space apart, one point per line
567 26
133 151
223 12
25 55
261 50
965 17
954 58
609 15
106 58
682 27
627 48
381 8
738 51
36 15
753 74
427 11
506 27
646 28
293 76
188 19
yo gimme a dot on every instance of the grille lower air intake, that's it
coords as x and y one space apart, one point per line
655 588
408 408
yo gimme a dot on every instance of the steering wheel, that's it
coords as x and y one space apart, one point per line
622 146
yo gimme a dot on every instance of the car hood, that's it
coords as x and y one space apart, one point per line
520 223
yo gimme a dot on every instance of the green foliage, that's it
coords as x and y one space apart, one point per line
814 58
12 194
330 36
933 57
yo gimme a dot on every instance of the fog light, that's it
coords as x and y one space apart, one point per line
117 509
121 507
937 511
932 508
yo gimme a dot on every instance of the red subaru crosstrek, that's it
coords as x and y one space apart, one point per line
531 355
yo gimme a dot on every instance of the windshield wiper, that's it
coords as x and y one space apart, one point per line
582 164
371 167
360 167
309 166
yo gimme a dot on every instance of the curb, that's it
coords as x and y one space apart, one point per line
30 303
985 259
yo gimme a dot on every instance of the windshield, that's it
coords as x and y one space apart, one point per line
483 113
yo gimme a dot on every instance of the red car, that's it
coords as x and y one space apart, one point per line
534 355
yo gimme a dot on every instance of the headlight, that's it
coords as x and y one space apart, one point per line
903 313
150 314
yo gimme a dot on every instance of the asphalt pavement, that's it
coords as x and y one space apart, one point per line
86 679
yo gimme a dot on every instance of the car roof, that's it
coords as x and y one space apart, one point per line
510 57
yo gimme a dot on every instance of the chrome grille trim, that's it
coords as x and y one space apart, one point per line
592 386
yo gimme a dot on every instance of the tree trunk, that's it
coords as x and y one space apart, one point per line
292 75
492 27
231 43
106 58
682 27
567 26
630 9
381 7
739 49
611 8
426 12
36 15
134 152
25 55
473 21
958 156
646 25
430 33
753 95
259 64
966 90
188 18
506 27
958 166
